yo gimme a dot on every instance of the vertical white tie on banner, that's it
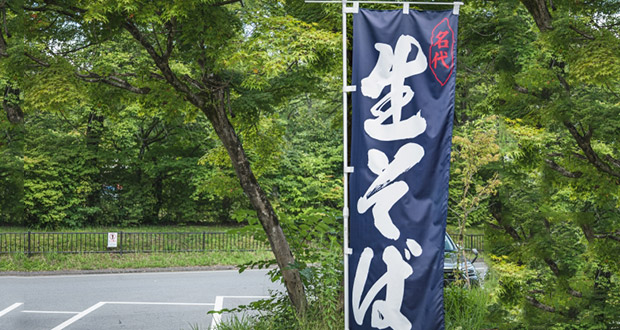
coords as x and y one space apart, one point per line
457 8
406 8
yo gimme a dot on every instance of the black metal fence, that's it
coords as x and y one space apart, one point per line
472 241
146 242
127 242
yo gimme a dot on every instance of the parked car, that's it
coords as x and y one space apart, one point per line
450 270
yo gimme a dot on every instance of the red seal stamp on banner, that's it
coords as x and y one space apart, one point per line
441 53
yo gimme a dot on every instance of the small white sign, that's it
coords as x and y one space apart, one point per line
112 240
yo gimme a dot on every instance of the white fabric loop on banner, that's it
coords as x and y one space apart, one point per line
406 8
352 10
349 169
350 89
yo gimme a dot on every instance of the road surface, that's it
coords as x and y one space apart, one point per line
135 301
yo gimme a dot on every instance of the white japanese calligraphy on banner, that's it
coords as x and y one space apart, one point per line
391 70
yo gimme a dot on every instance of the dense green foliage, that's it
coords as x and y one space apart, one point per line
88 152
93 136
552 78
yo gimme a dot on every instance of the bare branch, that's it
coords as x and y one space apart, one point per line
583 141
575 293
170 39
615 236
113 81
553 266
77 49
612 160
162 64
3 44
564 82
553 165
539 305
521 89
37 60
581 33
193 82
227 2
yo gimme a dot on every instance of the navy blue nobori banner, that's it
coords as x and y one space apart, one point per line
404 67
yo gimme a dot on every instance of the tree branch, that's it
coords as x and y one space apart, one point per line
539 11
581 33
553 266
615 236
170 39
521 89
37 60
76 49
227 2
113 81
612 160
193 82
3 44
60 10
583 141
539 305
162 64
553 165
563 82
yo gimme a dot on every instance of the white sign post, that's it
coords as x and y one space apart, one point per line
112 240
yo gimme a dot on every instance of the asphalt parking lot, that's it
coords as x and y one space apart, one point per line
127 301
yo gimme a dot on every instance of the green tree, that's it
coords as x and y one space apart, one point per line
555 217
474 148
218 58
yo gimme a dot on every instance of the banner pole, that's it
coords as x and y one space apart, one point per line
345 181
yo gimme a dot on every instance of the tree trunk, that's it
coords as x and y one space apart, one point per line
93 138
539 11
11 105
13 191
212 104
268 218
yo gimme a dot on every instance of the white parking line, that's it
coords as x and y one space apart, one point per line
9 309
219 305
217 317
155 303
101 303
79 316
50 312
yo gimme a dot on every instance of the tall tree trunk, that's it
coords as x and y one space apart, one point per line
10 104
15 139
268 218
158 193
93 138
211 101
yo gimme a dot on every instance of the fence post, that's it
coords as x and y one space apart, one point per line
120 241
204 236
29 248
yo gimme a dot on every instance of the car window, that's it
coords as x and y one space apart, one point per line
449 246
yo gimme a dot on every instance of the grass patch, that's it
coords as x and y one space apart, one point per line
140 229
58 262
